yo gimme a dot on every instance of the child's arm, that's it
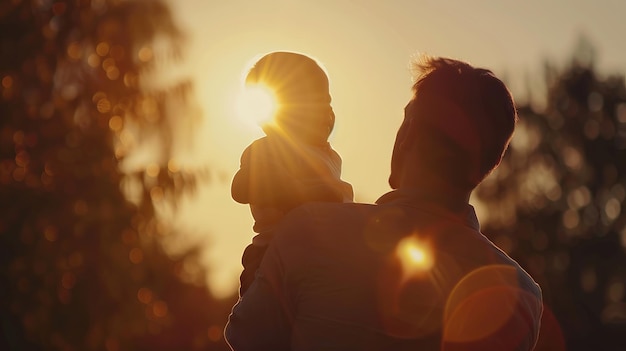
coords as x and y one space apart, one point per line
263 180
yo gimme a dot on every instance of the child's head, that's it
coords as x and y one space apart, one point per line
302 89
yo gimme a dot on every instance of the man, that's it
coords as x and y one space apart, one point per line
412 272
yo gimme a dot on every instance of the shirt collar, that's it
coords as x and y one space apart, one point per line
440 205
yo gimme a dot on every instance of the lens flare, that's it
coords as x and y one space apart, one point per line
414 255
257 104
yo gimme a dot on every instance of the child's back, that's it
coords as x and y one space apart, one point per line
293 163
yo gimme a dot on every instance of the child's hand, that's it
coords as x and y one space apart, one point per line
266 214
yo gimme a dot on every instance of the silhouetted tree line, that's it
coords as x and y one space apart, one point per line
557 204
81 267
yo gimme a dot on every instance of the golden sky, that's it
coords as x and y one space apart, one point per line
365 46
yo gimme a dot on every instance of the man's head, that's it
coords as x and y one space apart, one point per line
456 127
302 89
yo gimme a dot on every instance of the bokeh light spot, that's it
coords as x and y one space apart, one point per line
173 166
572 158
93 60
612 208
144 295
153 170
102 49
160 309
113 72
74 51
103 105
107 63
7 82
571 219
22 159
116 123
130 79
145 54
579 198
50 233
135 255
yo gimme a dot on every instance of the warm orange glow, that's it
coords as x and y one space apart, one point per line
414 255
257 104
492 296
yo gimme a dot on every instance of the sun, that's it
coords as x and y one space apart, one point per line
256 104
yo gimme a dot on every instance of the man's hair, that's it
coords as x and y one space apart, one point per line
465 116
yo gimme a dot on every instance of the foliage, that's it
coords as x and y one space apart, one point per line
556 204
81 268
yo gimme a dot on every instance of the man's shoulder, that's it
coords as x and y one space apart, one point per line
328 212
323 217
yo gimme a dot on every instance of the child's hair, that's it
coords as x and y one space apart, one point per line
302 89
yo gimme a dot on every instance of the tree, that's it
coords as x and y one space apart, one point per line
82 267
556 204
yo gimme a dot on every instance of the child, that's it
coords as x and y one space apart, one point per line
294 162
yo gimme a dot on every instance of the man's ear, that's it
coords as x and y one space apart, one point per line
408 135
405 140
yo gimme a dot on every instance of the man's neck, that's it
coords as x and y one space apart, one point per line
437 189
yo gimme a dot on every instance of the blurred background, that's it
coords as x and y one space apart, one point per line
119 137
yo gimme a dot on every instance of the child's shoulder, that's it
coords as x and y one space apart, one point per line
259 145
267 142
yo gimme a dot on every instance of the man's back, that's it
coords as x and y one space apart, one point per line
404 274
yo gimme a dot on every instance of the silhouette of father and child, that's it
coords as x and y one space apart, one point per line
325 273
